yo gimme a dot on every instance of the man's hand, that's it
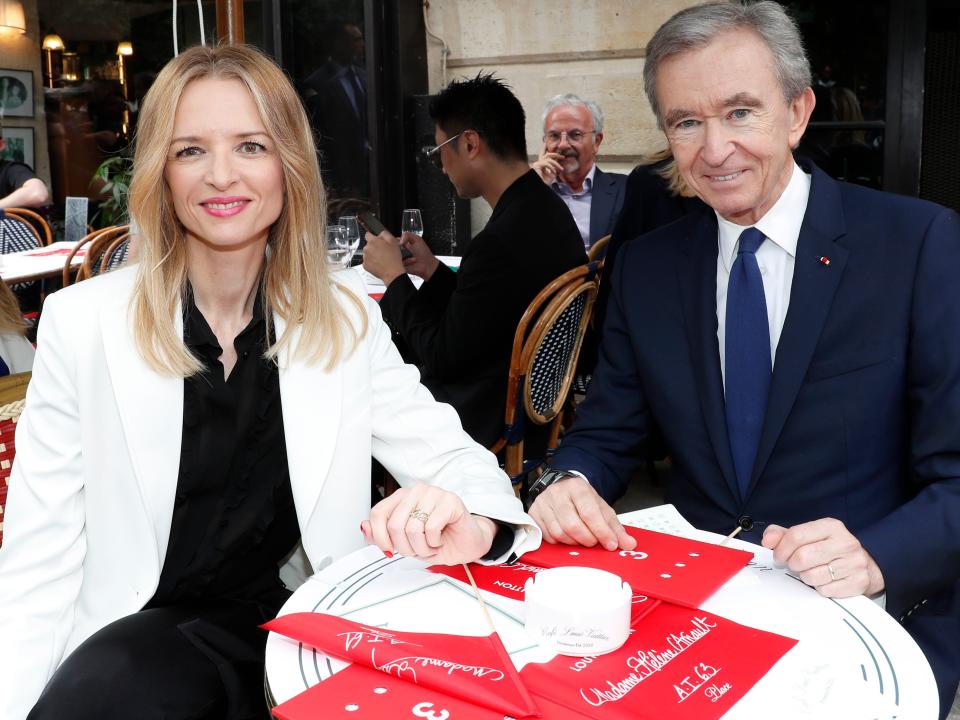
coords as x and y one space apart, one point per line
825 555
429 523
548 166
571 512
381 257
423 262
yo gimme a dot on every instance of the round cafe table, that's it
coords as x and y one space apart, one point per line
852 660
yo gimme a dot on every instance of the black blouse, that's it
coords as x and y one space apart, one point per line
233 519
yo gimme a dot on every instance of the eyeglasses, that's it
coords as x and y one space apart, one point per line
433 153
574 136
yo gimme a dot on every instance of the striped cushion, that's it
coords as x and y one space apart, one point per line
9 415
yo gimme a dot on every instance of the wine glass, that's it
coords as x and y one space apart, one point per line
339 250
352 229
412 222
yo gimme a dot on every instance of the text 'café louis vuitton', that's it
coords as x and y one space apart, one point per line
453 360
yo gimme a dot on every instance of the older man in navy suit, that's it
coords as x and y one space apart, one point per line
572 133
797 343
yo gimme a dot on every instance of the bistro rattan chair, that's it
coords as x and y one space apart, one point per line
598 249
36 221
94 245
546 346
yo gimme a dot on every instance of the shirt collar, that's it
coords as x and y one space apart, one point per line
561 187
781 223
200 339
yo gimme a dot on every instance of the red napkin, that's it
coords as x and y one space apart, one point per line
678 570
359 693
678 664
475 669
509 580
57 251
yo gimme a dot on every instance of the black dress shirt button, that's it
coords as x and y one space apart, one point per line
745 523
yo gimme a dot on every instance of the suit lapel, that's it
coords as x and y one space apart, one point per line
601 205
312 400
151 412
698 287
814 285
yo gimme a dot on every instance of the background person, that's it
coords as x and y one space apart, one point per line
572 133
458 328
795 345
196 420
16 352
19 186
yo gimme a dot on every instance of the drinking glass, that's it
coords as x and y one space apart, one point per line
352 229
412 222
339 251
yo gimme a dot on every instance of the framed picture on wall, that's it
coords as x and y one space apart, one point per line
18 146
16 93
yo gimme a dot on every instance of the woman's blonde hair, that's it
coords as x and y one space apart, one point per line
10 318
296 283
668 170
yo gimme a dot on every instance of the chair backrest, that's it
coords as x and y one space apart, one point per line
95 246
105 241
36 221
16 234
598 249
13 389
546 346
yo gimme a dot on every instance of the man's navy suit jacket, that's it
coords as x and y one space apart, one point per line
863 418
606 201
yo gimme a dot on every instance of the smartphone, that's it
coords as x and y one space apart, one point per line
371 222
373 225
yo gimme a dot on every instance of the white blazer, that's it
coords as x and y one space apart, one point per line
98 452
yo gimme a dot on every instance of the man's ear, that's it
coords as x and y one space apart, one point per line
597 139
471 143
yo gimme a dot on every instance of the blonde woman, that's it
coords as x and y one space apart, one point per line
16 352
194 417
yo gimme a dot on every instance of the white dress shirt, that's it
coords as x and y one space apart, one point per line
578 202
781 224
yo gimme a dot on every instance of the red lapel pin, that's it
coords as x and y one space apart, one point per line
825 260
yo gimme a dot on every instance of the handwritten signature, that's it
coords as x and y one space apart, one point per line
645 663
407 666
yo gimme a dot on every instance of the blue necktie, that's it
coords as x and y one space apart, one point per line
747 357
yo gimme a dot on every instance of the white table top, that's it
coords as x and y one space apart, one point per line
38 263
852 661
376 288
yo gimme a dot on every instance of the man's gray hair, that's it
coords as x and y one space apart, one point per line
572 100
697 26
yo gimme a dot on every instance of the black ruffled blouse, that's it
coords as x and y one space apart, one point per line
233 518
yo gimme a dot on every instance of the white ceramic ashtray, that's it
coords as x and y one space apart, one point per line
577 611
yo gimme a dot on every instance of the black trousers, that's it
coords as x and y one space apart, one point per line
189 661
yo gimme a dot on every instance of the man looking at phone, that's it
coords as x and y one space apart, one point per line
459 326
572 133
19 187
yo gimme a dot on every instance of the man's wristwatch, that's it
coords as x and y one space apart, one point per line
548 478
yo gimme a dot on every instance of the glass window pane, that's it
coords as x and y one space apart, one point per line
93 91
847 46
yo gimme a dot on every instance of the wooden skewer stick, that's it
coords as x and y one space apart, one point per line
476 591
732 535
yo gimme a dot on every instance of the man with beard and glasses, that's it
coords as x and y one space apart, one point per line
572 133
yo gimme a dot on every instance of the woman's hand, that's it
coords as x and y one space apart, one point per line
429 523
